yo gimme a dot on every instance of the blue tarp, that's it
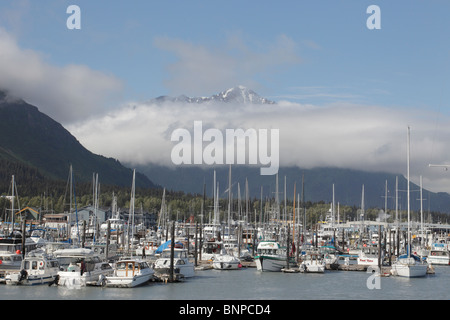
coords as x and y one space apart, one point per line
166 245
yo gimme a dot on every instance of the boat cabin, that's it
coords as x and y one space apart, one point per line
268 248
128 268
212 246
177 254
38 264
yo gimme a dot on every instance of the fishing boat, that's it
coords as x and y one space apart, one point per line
128 273
312 263
37 268
147 248
10 256
439 254
182 266
211 248
11 251
270 256
80 267
368 256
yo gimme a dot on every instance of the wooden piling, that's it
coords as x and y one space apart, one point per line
287 247
379 247
108 236
196 245
23 238
172 253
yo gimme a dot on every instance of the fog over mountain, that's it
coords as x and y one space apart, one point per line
343 135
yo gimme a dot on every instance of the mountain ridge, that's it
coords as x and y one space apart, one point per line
238 94
34 139
318 184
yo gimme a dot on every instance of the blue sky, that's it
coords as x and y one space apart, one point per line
404 63
317 55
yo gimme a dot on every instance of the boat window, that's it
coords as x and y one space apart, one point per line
106 266
65 261
180 262
121 266
34 265
26 265
165 254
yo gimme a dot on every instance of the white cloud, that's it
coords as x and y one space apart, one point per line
199 69
67 94
370 138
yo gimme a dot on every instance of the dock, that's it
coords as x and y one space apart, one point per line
207 265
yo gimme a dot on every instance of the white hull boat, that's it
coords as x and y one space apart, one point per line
81 267
226 262
128 273
439 254
410 268
408 265
271 257
36 269
313 264
182 266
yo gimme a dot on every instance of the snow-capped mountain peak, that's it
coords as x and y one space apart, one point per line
238 94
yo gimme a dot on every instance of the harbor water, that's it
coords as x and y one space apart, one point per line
251 284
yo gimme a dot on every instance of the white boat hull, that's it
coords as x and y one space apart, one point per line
186 272
409 270
226 266
312 268
14 279
445 260
127 282
271 264
75 279
226 262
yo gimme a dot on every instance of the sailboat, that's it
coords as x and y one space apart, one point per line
225 260
130 224
408 265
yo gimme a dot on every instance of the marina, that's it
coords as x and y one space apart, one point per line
229 256
276 257
250 284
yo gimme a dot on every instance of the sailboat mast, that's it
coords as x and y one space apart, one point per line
408 190
229 203
285 202
385 201
214 202
131 213
12 203
421 210
293 218
277 201
332 210
396 201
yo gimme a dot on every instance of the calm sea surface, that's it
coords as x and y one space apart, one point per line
250 284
